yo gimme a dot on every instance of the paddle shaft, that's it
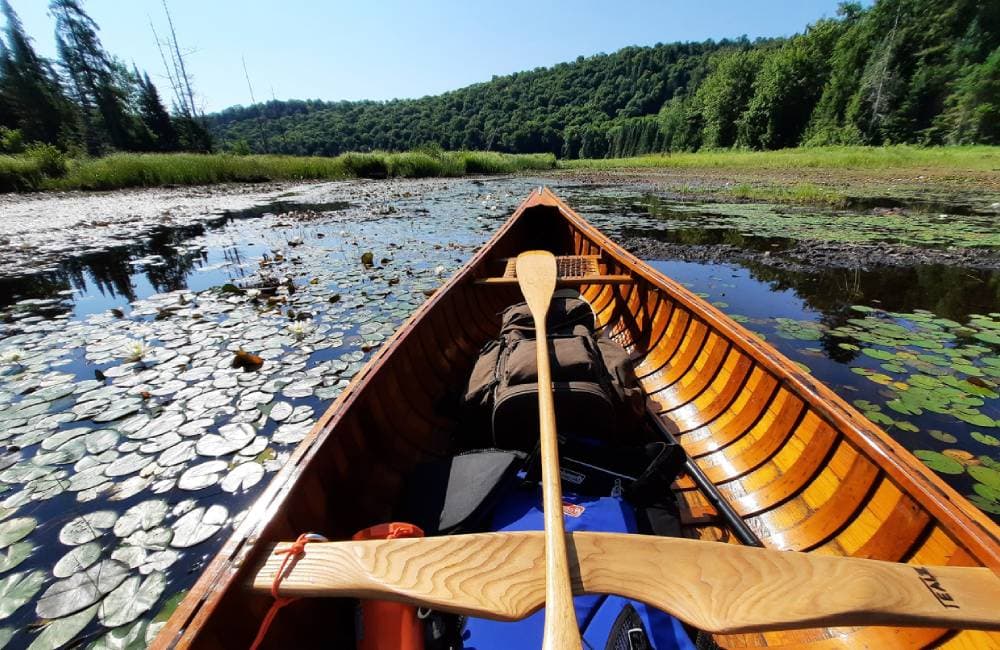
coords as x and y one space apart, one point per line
716 587
536 273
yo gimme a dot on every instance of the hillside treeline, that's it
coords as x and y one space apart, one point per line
86 102
901 71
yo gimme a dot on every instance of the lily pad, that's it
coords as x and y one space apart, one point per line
78 559
939 462
16 553
242 477
985 439
131 599
202 475
985 475
59 632
141 516
14 530
198 525
17 589
81 590
87 527
943 436
126 637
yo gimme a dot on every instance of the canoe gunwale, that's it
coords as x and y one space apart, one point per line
971 526
972 529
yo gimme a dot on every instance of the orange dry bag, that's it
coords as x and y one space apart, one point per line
385 625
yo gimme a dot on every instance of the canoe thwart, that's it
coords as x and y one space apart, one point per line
572 271
717 587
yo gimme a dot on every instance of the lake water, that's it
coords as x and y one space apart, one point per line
130 445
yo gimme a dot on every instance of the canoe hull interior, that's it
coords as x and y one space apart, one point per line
804 469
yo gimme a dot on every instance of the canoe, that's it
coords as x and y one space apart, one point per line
803 469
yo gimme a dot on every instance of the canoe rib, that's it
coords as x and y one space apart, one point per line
807 470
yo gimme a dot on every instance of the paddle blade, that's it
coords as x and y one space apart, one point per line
721 588
536 275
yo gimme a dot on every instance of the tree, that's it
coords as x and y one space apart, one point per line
102 101
725 94
973 114
30 94
155 117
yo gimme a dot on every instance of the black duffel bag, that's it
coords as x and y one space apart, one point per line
595 391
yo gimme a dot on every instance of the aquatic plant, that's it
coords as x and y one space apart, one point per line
121 170
135 350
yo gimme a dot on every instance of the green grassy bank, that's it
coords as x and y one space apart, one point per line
48 172
902 157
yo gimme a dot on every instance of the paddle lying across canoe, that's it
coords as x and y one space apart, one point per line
799 467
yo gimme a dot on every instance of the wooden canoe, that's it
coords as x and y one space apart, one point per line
802 467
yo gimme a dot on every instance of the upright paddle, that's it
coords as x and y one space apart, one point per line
536 275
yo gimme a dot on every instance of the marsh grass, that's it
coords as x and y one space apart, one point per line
798 193
903 157
18 173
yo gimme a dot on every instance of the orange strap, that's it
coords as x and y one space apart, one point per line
292 555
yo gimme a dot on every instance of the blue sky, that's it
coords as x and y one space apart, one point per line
382 49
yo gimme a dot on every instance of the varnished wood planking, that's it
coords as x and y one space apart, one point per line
748 418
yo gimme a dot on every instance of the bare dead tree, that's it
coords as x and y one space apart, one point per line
253 101
179 101
180 70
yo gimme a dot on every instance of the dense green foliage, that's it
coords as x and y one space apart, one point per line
901 71
44 167
91 103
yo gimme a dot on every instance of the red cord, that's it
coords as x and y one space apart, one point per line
292 554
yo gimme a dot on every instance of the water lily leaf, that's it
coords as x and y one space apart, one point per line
939 462
158 426
986 475
988 337
281 411
876 353
81 590
198 525
985 439
943 436
17 589
976 419
117 410
78 559
987 492
87 528
156 539
144 516
61 631
182 452
6 634
242 477
202 475
131 599
158 561
14 530
16 553
126 637
986 505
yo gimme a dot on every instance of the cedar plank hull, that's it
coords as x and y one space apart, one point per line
805 469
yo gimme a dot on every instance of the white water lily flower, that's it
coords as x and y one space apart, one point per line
136 350
439 271
299 329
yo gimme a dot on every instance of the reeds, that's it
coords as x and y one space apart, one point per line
123 170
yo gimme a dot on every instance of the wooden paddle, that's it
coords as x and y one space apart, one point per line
536 275
716 587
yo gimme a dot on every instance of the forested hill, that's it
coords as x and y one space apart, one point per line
913 71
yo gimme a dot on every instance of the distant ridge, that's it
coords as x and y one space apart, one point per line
914 71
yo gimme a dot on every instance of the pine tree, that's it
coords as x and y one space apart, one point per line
30 94
101 98
155 116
